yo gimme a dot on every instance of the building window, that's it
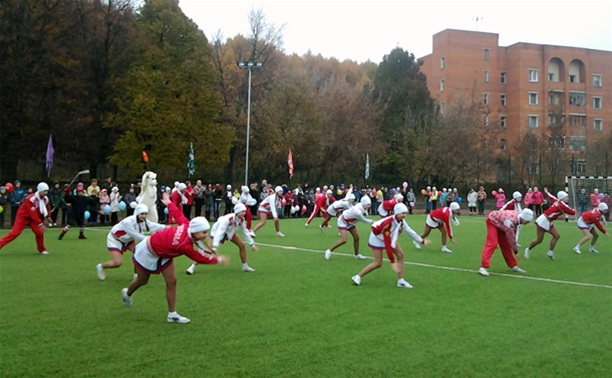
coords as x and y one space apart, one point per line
485 98
533 98
579 167
486 120
551 76
577 143
533 76
502 78
502 100
573 78
533 122
555 98
556 143
534 168
441 85
502 144
442 62
577 99
486 76
598 124
502 121
486 54
596 102
577 120
597 81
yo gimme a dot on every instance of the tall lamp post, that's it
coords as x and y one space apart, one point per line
248 65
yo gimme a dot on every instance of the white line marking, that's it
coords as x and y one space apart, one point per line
451 268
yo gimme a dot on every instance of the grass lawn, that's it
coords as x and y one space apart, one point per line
300 315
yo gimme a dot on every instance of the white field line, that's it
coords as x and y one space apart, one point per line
519 276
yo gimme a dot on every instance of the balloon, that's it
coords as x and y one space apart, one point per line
133 204
393 190
411 204
304 209
165 210
252 202
9 187
1 209
405 184
459 199
107 209
423 191
601 196
87 214
122 205
283 202
494 192
293 209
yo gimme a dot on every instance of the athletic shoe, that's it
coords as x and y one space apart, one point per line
127 300
446 250
305 224
576 250
403 284
81 236
54 224
328 254
356 280
191 269
100 271
593 250
417 245
483 272
60 236
280 234
248 269
321 229
516 269
550 255
359 256
252 234
527 253
176 318
328 226
44 253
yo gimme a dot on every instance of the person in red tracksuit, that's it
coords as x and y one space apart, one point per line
587 223
440 219
179 199
321 205
544 222
155 255
33 212
386 207
503 227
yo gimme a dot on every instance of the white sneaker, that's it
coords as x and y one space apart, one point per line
356 280
100 271
176 318
321 229
134 276
483 272
252 234
417 245
248 269
305 224
516 269
577 250
359 256
403 284
280 234
127 300
191 269
328 254
54 224
43 253
527 253
328 226
446 250
550 255
593 250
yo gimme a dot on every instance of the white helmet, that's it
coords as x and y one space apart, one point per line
602 207
399 197
400 208
245 189
365 201
181 186
228 187
350 197
42 187
239 207
278 189
198 224
561 195
517 195
328 192
454 206
526 214
141 208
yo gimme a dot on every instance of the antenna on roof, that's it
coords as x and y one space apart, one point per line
478 18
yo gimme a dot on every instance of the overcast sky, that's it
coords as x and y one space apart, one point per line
369 29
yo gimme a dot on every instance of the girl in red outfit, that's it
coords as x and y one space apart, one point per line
587 223
33 212
440 219
155 255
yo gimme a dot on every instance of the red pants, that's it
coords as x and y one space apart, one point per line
249 218
496 237
315 212
20 224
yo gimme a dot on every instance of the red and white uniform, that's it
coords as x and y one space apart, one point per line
557 209
156 252
338 207
591 219
225 229
248 201
350 217
269 205
321 205
502 229
441 217
512 205
178 199
31 213
129 230
386 207
385 233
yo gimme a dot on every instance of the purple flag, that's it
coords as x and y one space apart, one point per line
50 152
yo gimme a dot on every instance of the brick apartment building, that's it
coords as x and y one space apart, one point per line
529 88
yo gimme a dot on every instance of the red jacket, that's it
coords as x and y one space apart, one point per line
594 217
323 202
443 215
29 211
557 209
190 193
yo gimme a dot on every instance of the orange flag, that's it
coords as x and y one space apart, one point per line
145 157
290 163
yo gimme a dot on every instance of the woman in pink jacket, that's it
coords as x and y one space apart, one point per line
501 198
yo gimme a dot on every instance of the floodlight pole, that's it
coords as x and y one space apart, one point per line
248 65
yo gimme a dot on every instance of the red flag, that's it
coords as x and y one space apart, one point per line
145 157
290 163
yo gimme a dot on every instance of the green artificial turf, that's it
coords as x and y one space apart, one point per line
300 315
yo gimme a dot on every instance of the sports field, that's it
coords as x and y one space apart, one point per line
301 316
